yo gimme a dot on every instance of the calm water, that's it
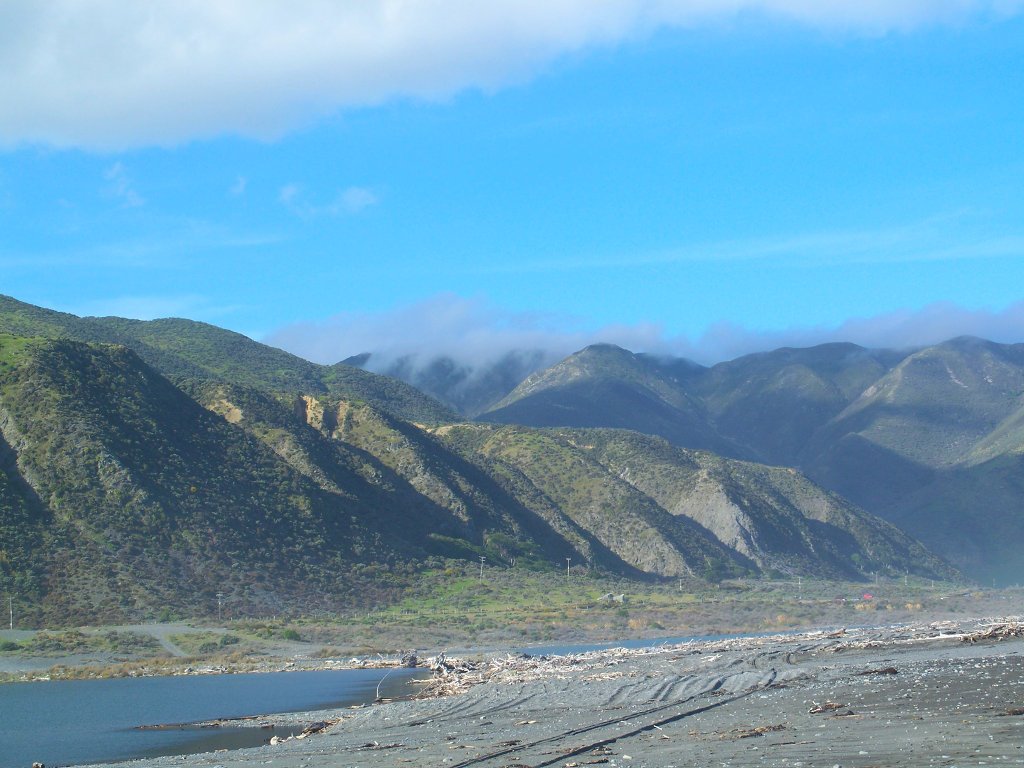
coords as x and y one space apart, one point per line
82 721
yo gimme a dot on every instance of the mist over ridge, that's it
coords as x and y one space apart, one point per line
475 335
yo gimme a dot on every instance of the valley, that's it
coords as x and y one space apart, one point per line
148 467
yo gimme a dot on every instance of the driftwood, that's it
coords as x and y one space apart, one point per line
761 730
828 706
318 727
375 745
453 675
999 631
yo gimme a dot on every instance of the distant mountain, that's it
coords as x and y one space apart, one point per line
934 446
774 402
607 386
938 404
469 388
929 439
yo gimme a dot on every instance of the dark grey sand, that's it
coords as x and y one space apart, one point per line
950 702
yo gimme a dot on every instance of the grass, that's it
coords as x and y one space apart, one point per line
13 349
200 644
511 607
454 609
74 641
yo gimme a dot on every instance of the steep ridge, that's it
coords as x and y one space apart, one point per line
606 386
731 516
489 518
298 430
23 521
627 522
774 402
938 403
772 515
187 349
151 500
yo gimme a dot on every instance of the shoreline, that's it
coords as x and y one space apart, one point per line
914 694
30 669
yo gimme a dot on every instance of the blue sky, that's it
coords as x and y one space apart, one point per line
706 178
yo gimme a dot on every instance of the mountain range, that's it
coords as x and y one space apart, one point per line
930 439
146 466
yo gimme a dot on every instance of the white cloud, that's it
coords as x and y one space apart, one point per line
901 329
469 330
475 333
119 186
356 199
288 194
350 201
239 187
111 74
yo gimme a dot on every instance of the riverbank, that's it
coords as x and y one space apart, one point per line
504 613
946 693
166 650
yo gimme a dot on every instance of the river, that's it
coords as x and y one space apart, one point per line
81 721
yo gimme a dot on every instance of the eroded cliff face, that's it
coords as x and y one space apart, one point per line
708 504
10 440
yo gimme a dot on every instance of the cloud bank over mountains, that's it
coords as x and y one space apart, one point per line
108 74
477 334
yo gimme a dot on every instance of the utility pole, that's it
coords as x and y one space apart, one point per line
800 587
482 558
10 605
220 597
567 569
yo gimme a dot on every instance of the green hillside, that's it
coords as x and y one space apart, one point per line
975 514
937 404
143 498
187 349
719 514
144 473
628 523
